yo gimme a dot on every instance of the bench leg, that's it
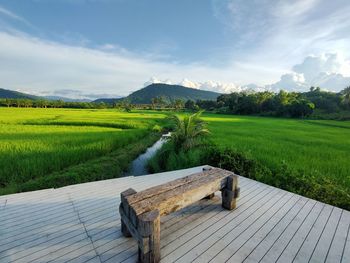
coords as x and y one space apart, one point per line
124 205
125 230
230 193
149 229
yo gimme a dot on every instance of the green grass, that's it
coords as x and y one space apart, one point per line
313 147
35 143
308 157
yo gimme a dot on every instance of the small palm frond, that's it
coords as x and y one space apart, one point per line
188 130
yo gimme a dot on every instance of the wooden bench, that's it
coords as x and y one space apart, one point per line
140 212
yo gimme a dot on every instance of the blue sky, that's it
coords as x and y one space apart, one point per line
93 48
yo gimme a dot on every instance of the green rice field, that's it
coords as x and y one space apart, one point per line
42 148
313 147
37 142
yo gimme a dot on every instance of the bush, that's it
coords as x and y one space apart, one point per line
315 187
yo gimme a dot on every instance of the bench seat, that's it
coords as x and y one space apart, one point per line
140 211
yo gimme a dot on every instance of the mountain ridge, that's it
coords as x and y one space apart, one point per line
11 94
167 91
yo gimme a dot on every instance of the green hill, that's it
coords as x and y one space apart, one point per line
11 94
168 92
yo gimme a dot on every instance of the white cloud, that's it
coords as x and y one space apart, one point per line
154 80
29 63
190 84
328 71
293 8
270 41
207 85
291 81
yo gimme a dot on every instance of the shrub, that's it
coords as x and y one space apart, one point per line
283 176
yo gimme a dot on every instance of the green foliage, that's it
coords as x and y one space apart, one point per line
188 130
301 108
157 128
170 157
37 142
288 104
108 166
308 157
282 176
345 97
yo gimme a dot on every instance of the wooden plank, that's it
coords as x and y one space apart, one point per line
156 190
323 245
37 252
189 217
78 253
38 227
335 252
149 228
309 243
191 209
96 191
54 216
249 228
114 253
124 255
139 182
231 192
92 260
274 252
299 236
247 247
131 227
114 246
140 213
192 228
47 233
209 227
219 245
111 191
260 250
346 249
170 201
100 218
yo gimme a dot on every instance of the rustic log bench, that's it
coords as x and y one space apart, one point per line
140 212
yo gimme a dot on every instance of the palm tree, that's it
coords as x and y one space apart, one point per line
345 96
188 130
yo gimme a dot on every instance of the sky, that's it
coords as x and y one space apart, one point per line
109 48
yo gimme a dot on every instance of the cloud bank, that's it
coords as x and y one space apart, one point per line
272 52
328 71
31 64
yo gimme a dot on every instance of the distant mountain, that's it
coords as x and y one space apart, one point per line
66 99
168 92
109 100
11 94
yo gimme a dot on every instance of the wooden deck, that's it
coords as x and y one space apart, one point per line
80 223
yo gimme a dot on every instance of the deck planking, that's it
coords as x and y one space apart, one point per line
81 223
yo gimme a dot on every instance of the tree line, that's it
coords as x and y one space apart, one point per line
283 103
266 103
157 103
42 103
